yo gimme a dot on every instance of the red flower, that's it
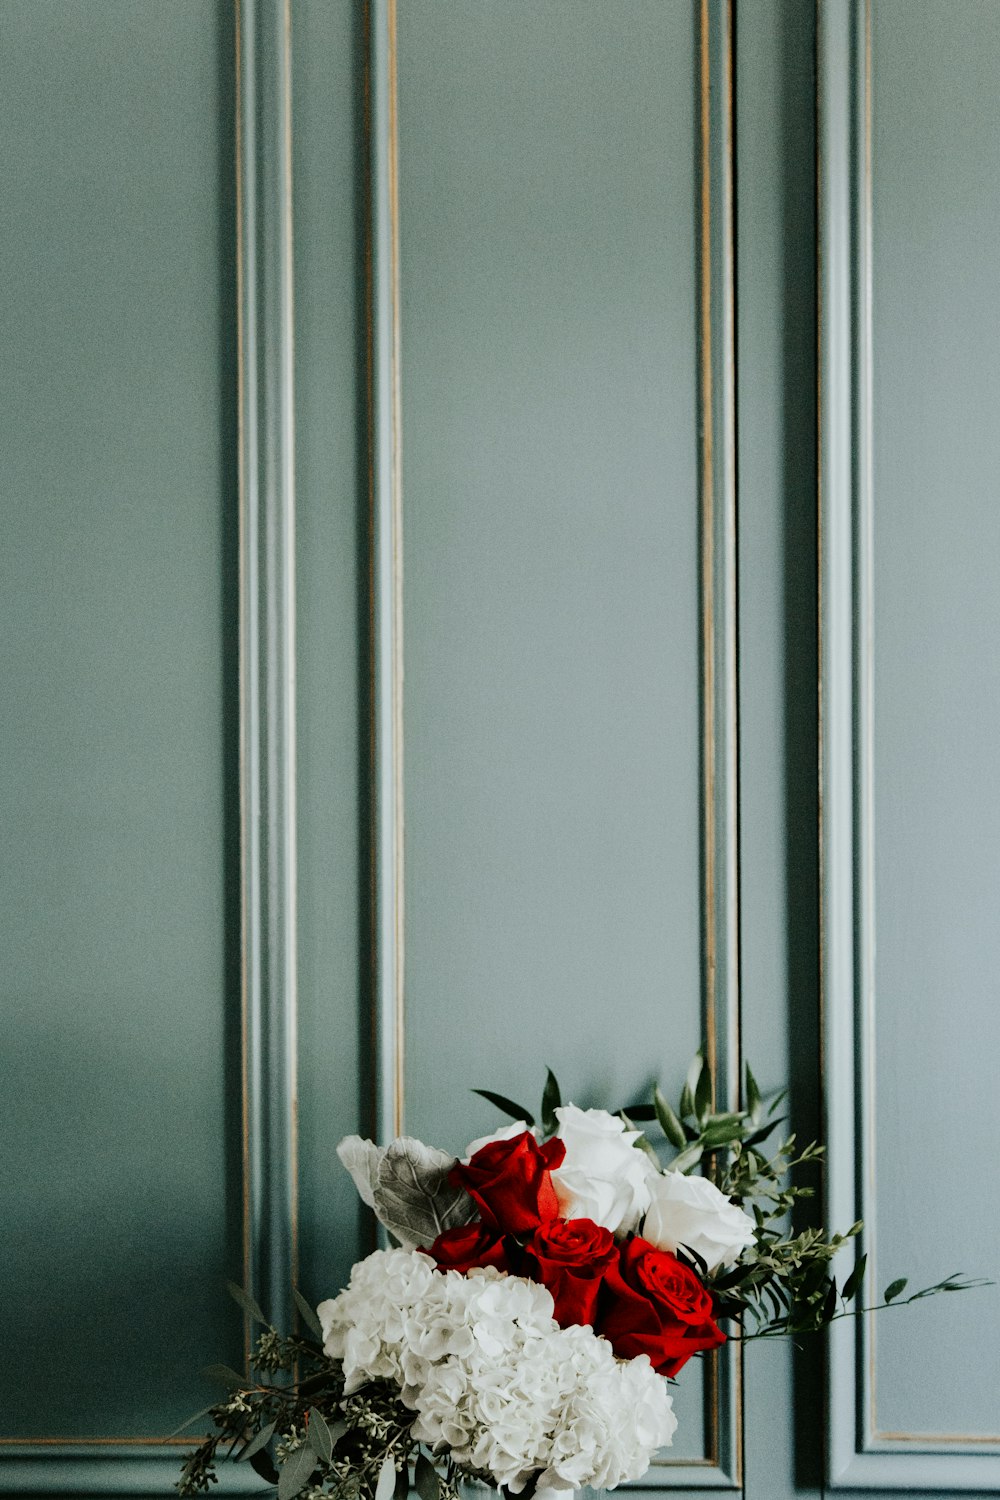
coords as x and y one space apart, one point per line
657 1306
510 1183
570 1257
467 1246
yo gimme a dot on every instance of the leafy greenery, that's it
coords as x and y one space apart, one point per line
782 1285
297 1430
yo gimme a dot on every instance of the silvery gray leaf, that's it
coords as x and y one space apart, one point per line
362 1158
413 1197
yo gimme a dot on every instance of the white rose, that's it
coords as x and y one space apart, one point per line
505 1133
603 1177
691 1212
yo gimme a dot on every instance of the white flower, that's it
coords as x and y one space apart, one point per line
491 1377
603 1177
691 1212
505 1133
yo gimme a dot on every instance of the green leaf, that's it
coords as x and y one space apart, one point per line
507 1106
307 1314
225 1376
243 1299
426 1479
256 1443
776 1102
386 1486
669 1123
703 1096
184 1425
339 1431
263 1464
551 1100
642 1112
719 1133
687 1159
402 1486
296 1472
689 1091
853 1283
755 1104
894 1288
829 1302
320 1436
763 1133
642 1144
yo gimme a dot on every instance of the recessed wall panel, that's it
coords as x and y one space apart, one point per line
548 280
552 732
119 912
935 184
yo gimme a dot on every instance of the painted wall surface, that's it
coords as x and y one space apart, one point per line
936 547
551 716
119 973
908 539
585 254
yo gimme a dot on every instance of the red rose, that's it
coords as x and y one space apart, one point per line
466 1246
510 1183
570 1257
657 1306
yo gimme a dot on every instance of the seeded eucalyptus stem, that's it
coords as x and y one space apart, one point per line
305 1436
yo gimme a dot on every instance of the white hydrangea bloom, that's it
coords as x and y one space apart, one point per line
491 1376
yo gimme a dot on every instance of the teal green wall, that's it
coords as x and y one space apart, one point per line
119 972
936 545
908 297
551 765
550 454
332 678
551 720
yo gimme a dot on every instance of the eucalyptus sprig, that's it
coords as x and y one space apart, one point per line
303 1435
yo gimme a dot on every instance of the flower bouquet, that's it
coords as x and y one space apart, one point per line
541 1294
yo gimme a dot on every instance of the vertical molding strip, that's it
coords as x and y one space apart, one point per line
387 574
722 1469
836 670
718 552
267 652
859 1457
718 498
